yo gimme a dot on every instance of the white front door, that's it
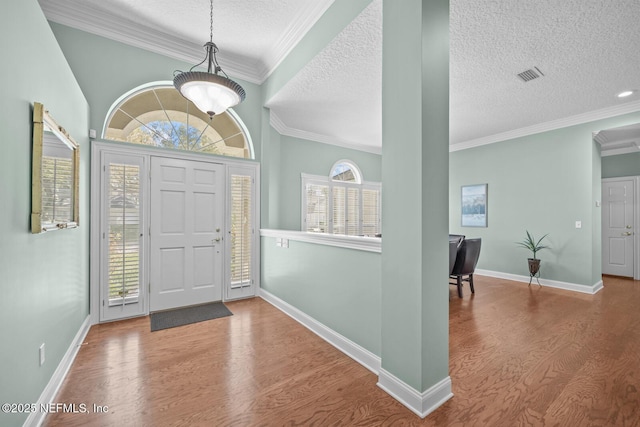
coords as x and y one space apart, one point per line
186 246
617 227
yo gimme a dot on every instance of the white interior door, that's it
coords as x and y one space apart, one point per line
186 247
618 227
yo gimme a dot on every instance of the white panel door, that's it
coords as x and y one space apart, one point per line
617 227
187 217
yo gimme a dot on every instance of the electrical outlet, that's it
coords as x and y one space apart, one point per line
578 224
42 354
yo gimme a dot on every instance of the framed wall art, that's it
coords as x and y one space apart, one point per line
474 205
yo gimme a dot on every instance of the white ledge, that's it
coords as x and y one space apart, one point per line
369 244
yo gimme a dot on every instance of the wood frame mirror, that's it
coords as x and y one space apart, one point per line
55 175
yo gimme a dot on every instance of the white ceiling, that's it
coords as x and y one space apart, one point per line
586 49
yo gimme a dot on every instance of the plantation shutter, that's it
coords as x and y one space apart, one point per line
124 231
317 207
370 212
241 230
57 189
339 209
353 211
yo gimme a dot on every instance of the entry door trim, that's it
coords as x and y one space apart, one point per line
97 147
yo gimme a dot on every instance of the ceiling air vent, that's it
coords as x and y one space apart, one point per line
530 74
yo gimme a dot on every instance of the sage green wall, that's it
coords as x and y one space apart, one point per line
621 165
338 287
44 291
302 156
107 69
270 174
542 183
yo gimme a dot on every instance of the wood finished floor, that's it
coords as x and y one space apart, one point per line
519 356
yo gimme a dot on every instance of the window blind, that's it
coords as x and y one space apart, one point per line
317 208
241 230
124 224
352 212
370 212
57 189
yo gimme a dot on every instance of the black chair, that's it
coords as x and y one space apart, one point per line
465 265
453 254
458 238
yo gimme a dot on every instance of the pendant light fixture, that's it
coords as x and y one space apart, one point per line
211 92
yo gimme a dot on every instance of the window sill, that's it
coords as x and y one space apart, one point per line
369 244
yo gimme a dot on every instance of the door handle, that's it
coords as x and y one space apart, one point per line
628 233
629 226
217 239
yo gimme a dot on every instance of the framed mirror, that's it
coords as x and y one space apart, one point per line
55 178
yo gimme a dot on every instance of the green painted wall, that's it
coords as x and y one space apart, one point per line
270 174
299 156
338 287
106 69
543 183
621 165
44 286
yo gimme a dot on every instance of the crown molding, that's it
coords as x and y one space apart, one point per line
616 151
305 20
83 17
604 113
283 129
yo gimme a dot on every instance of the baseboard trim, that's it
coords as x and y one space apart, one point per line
345 345
585 289
422 404
51 390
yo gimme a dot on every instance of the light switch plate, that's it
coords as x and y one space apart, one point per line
578 224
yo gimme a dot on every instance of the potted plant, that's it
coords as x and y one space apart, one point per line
534 246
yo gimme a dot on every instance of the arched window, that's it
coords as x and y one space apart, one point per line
341 203
157 114
344 170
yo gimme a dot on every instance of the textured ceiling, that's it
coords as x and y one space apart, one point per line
350 113
587 50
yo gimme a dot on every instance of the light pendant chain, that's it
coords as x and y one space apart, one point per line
211 20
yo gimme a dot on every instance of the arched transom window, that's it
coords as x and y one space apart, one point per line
157 114
346 171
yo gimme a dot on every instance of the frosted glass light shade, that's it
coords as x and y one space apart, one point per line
211 93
